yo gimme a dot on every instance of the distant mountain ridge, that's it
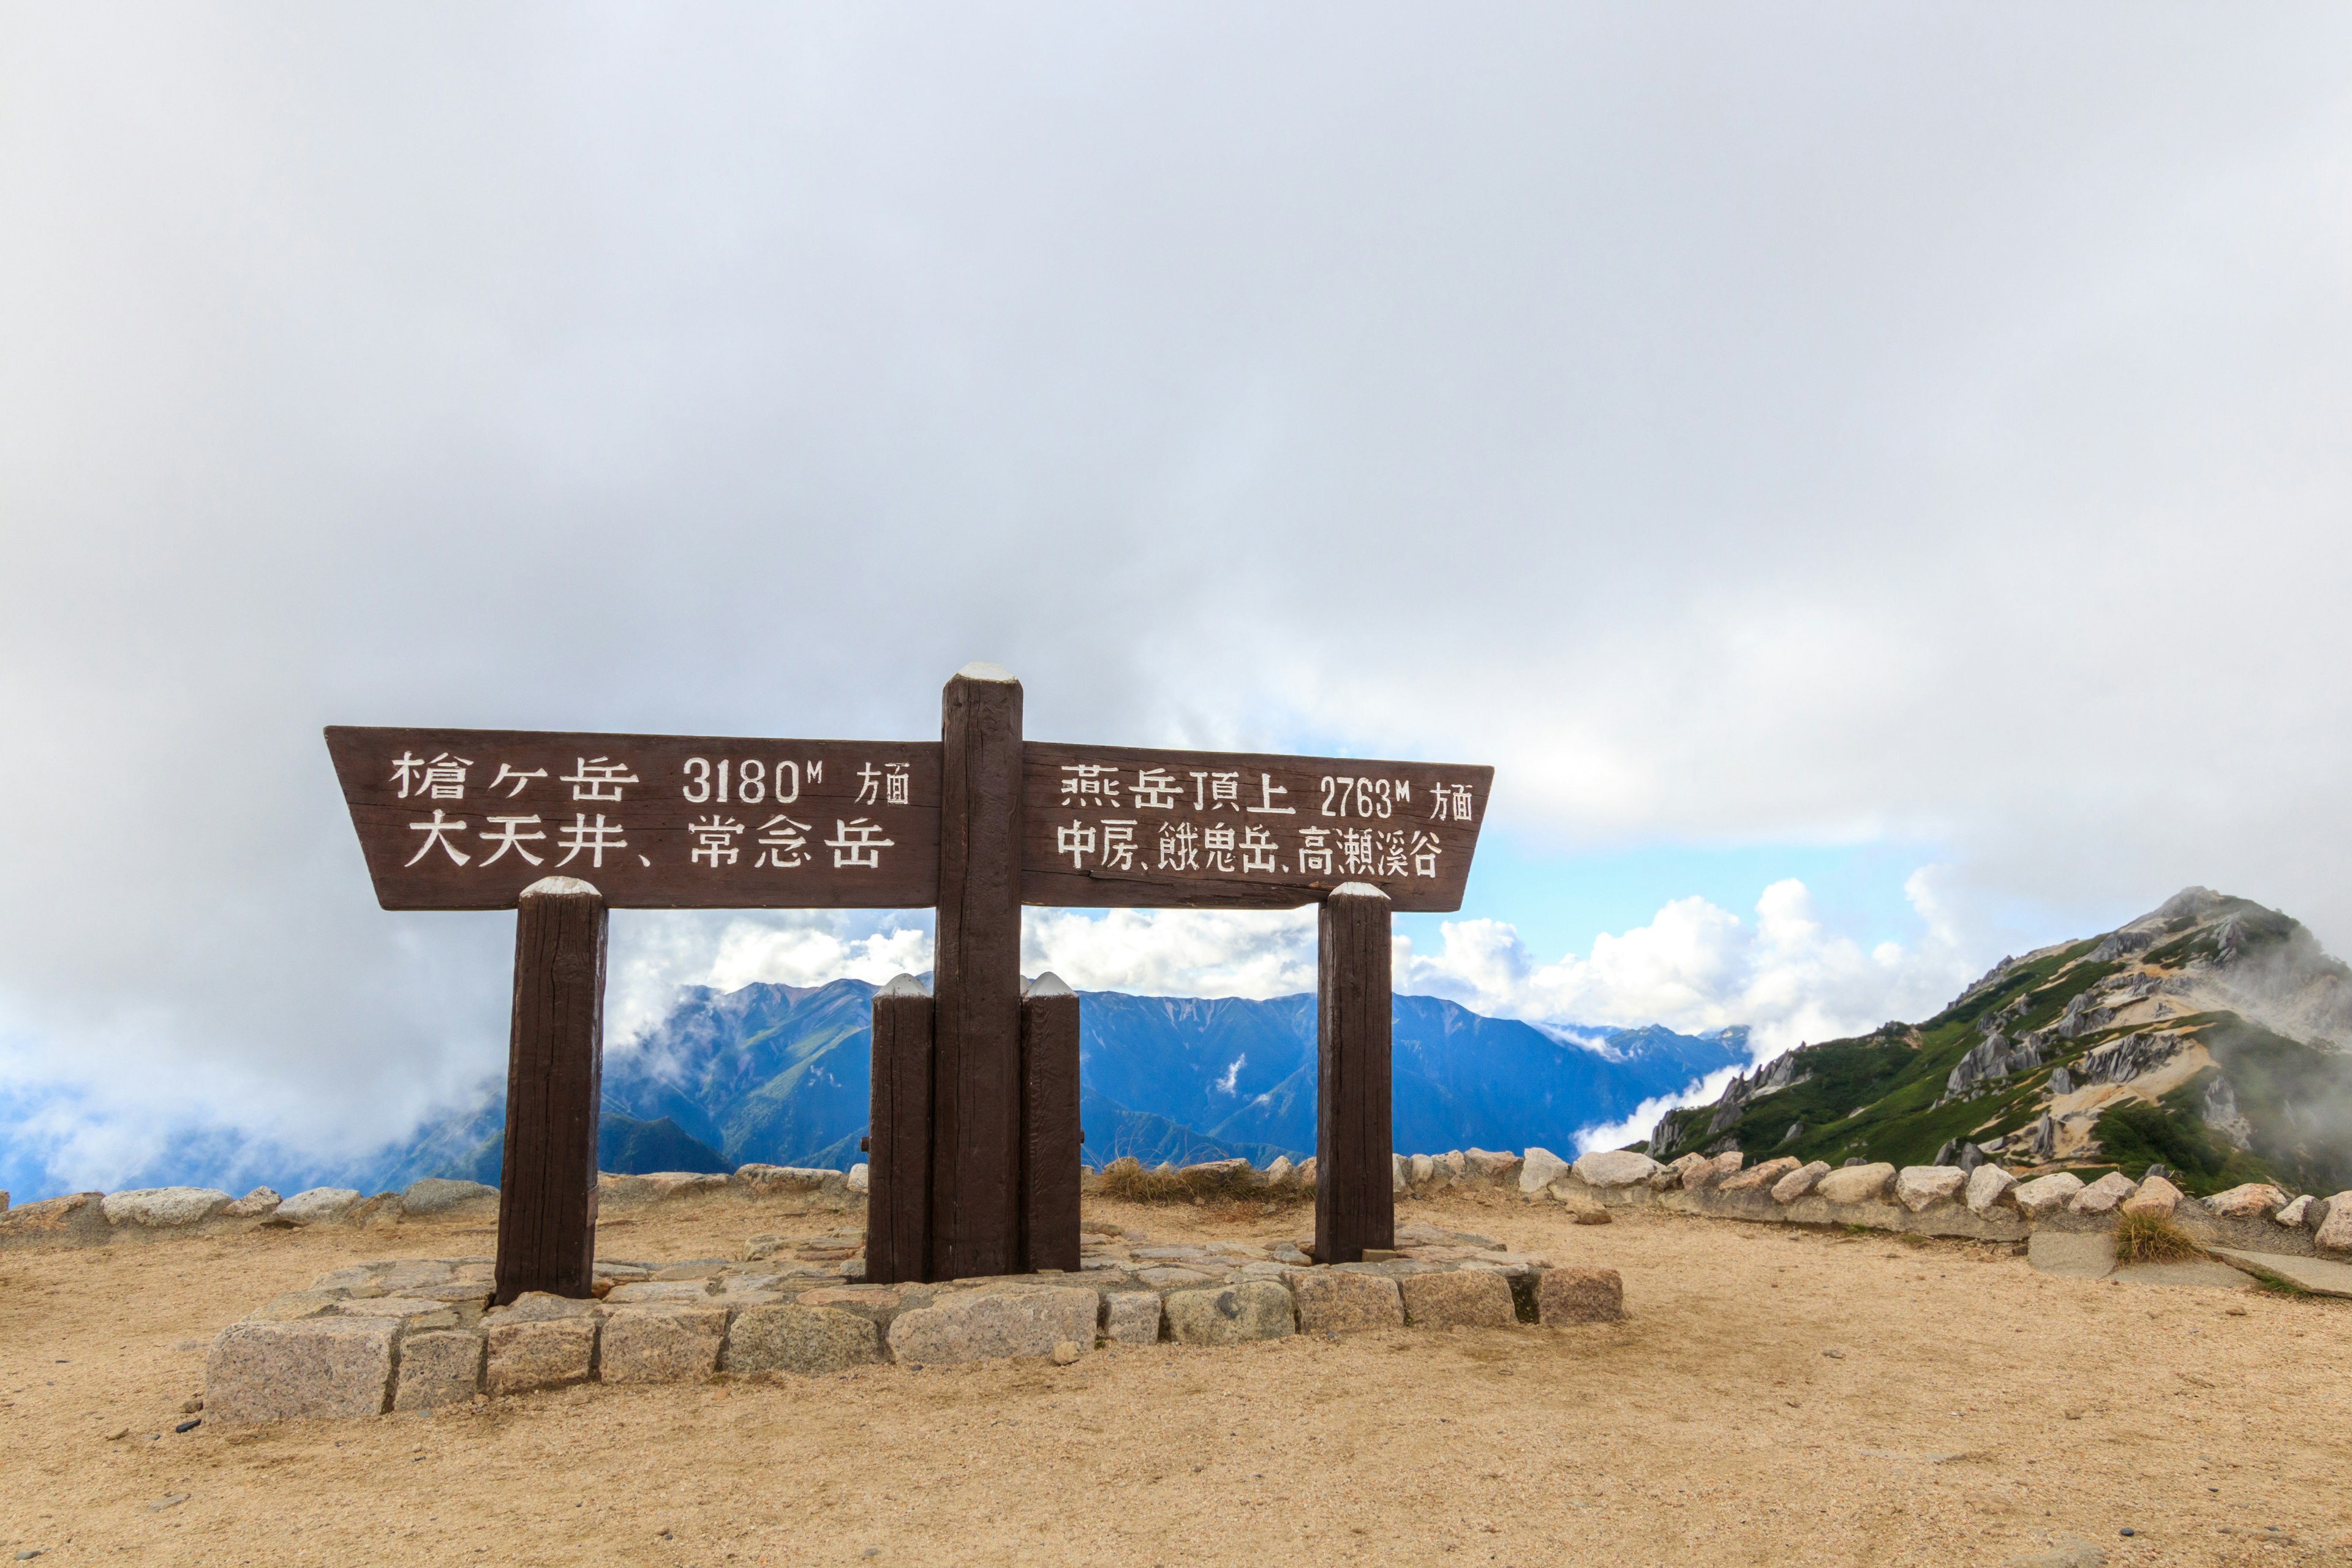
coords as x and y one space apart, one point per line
780 1074
2210 1035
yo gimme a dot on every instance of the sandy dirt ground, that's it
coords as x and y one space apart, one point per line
1777 1396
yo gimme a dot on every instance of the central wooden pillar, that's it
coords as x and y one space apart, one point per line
555 1070
1355 1197
976 980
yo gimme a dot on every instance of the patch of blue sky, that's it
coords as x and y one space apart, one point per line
1560 900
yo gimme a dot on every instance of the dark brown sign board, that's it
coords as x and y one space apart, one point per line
466 820
974 1136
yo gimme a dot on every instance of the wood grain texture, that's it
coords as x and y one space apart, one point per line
1050 1135
447 818
1120 827
1355 1204
976 982
555 1063
898 1139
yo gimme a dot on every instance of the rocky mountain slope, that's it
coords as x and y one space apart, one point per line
780 1074
2209 1037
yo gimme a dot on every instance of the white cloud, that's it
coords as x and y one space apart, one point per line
1617 1134
1174 953
656 954
1697 967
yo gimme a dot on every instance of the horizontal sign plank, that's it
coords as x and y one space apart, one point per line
466 820
1117 827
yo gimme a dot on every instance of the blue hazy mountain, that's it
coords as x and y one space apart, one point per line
779 1074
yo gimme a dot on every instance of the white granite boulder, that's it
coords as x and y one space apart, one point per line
160 1207
1614 1168
764 1180
2291 1215
1989 1187
258 1203
2046 1194
439 1195
1856 1183
1489 1166
316 1205
2156 1197
1758 1178
2335 1234
1922 1187
1539 1169
857 1180
2250 1200
1707 1173
1799 1182
2103 1196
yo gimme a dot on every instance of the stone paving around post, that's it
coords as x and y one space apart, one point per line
413 1334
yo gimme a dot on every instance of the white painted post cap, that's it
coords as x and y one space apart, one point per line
1358 891
903 985
980 669
1047 985
560 886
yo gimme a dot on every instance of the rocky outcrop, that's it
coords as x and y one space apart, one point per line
2134 1055
1994 1057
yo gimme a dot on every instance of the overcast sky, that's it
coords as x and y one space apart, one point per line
1872 479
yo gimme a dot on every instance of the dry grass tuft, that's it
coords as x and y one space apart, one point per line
1230 1186
2152 1238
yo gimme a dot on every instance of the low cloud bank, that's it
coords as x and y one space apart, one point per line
1695 967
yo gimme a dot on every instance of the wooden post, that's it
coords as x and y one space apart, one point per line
1049 1126
1355 1201
555 1066
898 1137
976 1123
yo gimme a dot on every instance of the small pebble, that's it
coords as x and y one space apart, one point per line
189 1426
2127 1531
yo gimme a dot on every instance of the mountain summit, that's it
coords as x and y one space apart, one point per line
2208 1035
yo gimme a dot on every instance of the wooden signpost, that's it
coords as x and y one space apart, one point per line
974 1139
